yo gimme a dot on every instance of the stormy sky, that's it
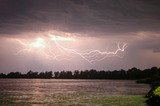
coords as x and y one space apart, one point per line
95 24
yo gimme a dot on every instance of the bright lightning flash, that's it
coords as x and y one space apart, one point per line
40 43
52 49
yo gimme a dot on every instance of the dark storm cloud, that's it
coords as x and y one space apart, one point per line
80 16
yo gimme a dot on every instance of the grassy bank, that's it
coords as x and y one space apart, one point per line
79 101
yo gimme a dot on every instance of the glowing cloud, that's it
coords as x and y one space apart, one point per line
40 43
60 38
52 49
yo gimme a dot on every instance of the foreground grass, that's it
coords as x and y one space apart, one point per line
79 101
119 101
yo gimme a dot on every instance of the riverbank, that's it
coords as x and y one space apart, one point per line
128 100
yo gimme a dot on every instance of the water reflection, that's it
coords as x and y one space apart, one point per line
39 91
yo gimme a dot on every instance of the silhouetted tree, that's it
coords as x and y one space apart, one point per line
76 74
2 75
56 74
41 75
48 74
32 74
14 75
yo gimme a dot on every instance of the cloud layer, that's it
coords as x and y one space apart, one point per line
104 17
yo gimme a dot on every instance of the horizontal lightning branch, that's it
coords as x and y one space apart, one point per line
49 47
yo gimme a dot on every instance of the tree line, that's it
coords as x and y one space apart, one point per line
133 73
29 74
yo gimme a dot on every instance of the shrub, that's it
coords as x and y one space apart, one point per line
154 96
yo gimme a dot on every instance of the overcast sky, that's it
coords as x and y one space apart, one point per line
92 24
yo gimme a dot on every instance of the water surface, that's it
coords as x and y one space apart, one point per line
36 91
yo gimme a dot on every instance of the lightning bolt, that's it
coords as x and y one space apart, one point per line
45 47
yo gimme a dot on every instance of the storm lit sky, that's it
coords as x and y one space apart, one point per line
57 35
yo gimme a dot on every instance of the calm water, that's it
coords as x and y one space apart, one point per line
47 90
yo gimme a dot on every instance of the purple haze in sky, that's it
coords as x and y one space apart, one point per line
95 24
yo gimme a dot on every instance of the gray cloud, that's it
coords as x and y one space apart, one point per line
79 16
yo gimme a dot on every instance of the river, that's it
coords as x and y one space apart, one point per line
53 90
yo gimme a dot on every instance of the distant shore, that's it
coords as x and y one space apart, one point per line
130 74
